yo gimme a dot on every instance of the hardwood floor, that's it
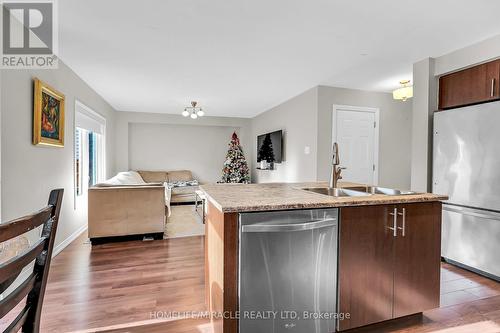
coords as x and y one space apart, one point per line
131 286
116 285
469 303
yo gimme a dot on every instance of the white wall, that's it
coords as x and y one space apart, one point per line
29 172
424 103
394 130
297 118
201 149
150 130
477 53
307 121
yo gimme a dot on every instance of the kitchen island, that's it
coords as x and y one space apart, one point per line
388 248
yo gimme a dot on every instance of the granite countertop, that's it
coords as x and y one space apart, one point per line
230 198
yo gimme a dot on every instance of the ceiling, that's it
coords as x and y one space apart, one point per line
241 57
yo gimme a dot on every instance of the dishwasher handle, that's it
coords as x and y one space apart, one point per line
284 227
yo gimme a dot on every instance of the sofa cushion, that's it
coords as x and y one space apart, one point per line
179 175
154 176
183 194
193 182
187 190
123 178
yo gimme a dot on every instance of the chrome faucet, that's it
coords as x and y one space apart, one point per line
336 173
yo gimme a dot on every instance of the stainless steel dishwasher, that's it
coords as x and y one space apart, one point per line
288 271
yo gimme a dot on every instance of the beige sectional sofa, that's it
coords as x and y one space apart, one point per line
179 194
126 211
135 203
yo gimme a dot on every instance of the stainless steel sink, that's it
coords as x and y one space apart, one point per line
337 192
379 190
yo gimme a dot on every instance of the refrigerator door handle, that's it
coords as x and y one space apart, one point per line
472 212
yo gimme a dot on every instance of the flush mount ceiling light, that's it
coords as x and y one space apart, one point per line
193 111
403 93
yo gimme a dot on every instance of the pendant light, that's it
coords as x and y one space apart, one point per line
193 111
403 93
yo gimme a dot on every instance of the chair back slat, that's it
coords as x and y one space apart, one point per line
15 265
10 302
6 284
16 325
33 287
24 224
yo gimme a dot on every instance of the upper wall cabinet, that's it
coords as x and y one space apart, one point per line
470 86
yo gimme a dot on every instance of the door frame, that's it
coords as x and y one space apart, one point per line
376 112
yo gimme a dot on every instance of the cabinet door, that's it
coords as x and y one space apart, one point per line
470 86
417 258
366 263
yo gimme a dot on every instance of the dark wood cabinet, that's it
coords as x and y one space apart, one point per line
389 261
473 85
365 259
417 255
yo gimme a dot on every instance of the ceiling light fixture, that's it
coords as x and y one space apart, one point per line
403 93
193 111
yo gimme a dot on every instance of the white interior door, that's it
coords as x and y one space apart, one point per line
355 131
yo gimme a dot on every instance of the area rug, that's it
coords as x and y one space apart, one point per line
183 222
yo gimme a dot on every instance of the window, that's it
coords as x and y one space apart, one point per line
89 158
78 161
93 148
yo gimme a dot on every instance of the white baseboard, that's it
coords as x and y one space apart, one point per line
68 240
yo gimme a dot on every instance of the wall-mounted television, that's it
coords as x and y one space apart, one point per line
269 147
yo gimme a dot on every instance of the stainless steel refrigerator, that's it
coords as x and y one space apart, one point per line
466 167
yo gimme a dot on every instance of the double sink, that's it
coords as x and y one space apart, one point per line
357 191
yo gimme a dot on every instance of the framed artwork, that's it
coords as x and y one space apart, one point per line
48 116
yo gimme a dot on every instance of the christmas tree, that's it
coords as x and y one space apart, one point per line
266 152
235 167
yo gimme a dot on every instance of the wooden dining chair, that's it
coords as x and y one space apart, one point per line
41 251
